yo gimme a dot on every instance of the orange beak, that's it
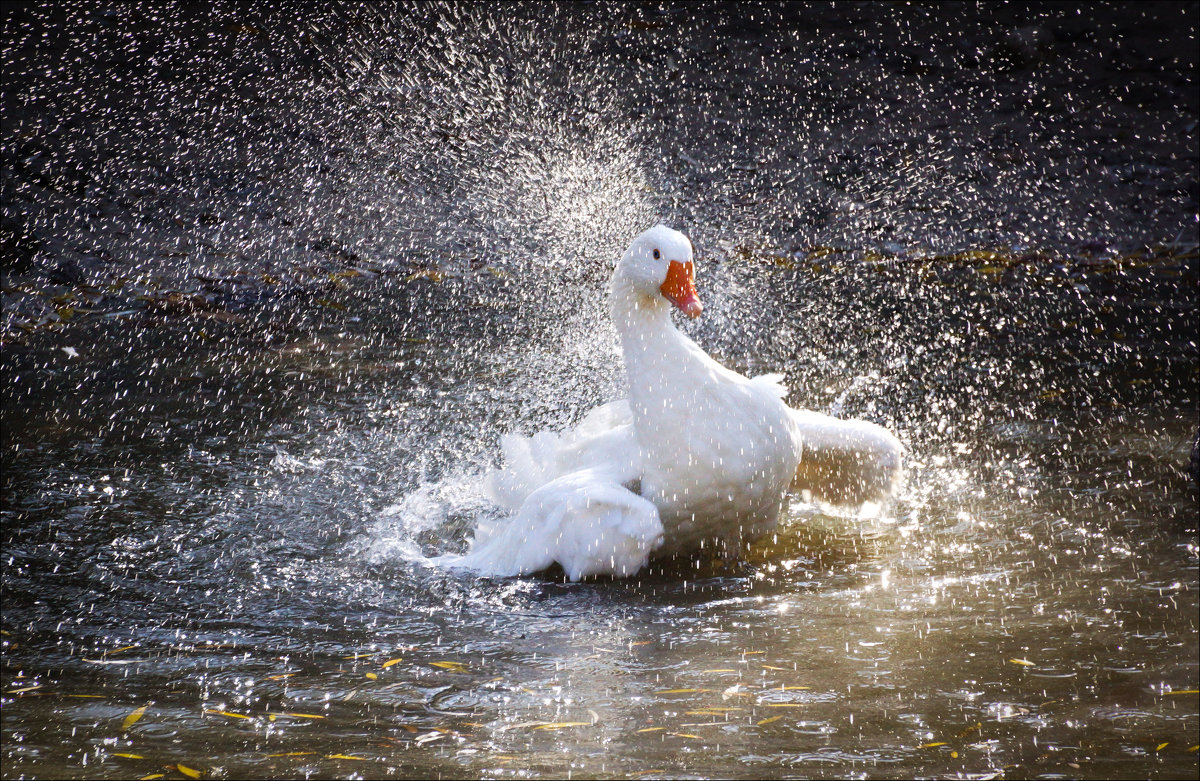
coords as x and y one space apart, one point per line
680 288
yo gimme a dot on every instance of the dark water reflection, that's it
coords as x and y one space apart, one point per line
230 533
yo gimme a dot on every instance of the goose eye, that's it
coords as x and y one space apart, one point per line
657 255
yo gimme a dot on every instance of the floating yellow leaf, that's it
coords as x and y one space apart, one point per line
127 756
640 642
651 729
279 677
151 777
769 719
1182 691
773 667
372 676
345 756
306 715
227 714
794 688
681 691
931 745
118 650
189 772
954 755
969 730
564 725
1161 746
132 718
1194 748
683 735
752 653
1026 662
24 689
293 754
785 705
390 662
357 656
455 667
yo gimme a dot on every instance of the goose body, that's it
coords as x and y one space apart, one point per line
697 455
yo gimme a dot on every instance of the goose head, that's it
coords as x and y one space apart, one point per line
657 271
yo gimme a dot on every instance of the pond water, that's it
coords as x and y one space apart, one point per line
221 492
232 538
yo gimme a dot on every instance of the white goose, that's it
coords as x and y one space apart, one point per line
698 455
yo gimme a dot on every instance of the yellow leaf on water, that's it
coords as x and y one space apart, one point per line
127 756
456 667
357 656
752 653
651 729
390 662
24 689
773 667
345 756
564 724
189 772
227 714
769 719
683 735
1194 748
132 718
279 677
794 688
1023 662
1182 691
151 777
118 650
931 745
1161 746
372 676
681 691
306 715
954 755
969 730
785 705
640 642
